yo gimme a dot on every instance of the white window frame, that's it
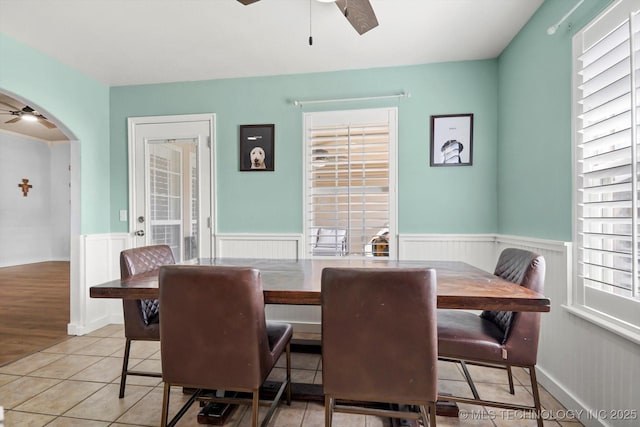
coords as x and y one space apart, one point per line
615 313
358 115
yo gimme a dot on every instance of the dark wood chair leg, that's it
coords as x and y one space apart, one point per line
328 411
288 354
510 377
255 408
536 395
467 375
125 367
165 405
426 419
432 414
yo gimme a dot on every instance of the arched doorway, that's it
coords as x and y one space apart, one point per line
36 222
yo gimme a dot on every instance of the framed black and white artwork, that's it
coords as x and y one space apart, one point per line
452 140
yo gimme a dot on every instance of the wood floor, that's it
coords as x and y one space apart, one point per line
34 308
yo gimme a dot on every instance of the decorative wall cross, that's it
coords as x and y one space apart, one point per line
25 186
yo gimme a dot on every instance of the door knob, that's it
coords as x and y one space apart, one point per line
140 233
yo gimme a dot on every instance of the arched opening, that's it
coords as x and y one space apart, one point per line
39 213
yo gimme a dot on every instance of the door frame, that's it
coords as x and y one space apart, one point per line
132 122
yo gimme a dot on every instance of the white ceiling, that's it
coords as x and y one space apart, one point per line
124 42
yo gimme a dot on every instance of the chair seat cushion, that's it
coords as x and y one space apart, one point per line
278 334
464 335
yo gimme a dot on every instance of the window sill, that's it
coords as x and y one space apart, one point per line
621 329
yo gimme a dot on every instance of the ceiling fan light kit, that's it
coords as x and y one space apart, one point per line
25 113
28 117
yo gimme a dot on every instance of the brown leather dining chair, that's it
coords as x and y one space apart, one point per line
497 338
379 342
141 321
214 336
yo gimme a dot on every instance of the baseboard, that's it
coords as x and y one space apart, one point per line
75 329
27 262
306 327
588 417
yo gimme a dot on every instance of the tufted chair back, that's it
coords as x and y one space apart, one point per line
139 314
521 329
141 317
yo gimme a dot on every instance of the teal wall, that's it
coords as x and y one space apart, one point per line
534 124
520 182
431 200
80 104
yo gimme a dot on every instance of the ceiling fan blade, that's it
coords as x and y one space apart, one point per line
13 120
246 2
13 107
359 13
46 122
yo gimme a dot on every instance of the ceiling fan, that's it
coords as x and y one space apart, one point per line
359 13
26 113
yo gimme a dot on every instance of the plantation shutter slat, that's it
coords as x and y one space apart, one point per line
607 143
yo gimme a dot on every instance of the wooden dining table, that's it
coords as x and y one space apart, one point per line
298 282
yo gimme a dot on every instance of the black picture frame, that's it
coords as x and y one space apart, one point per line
257 153
451 140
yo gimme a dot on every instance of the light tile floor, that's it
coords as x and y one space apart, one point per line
75 383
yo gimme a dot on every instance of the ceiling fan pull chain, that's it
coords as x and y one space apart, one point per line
310 19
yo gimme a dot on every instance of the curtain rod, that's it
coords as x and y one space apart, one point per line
366 98
552 29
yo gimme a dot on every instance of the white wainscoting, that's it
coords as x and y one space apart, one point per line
475 249
273 246
583 365
97 262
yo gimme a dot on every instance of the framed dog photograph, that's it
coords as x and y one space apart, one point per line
452 140
256 148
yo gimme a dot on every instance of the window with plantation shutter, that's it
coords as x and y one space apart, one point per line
350 183
607 237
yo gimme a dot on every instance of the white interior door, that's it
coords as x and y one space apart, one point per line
171 190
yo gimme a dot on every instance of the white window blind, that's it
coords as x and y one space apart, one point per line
348 203
165 190
607 238
191 241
